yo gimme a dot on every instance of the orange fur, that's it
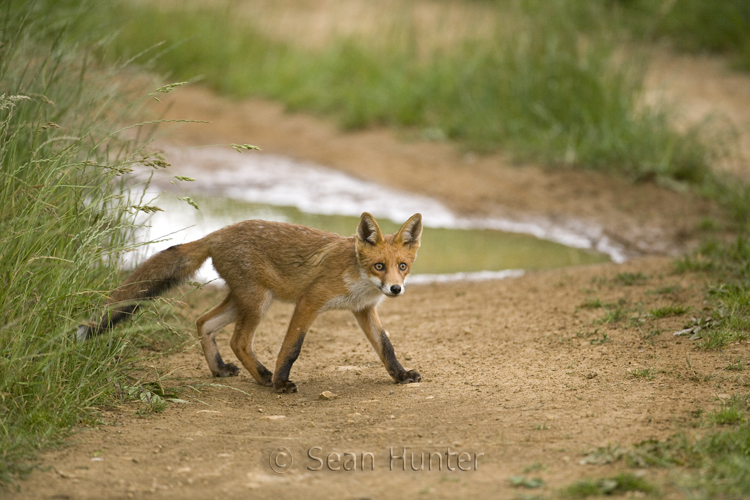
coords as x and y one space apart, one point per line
264 261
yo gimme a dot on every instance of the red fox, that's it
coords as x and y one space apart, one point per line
263 261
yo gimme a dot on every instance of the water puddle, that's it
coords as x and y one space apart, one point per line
231 187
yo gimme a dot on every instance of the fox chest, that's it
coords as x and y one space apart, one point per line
362 294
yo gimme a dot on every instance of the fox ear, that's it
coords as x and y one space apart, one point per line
411 232
368 230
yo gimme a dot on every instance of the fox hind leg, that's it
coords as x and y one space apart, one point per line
208 325
250 310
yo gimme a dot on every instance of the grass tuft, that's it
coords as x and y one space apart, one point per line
65 220
630 279
645 373
617 485
666 311
728 267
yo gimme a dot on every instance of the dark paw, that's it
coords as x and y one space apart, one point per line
266 377
228 370
410 377
285 387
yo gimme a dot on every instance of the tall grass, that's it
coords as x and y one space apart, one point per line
541 90
64 220
718 26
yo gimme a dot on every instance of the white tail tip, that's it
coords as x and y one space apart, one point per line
82 333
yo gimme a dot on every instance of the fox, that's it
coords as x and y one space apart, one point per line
262 262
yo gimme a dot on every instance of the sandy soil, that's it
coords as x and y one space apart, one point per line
517 373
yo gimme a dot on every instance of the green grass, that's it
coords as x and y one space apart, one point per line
645 373
617 485
630 279
712 463
719 26
738 365
697 26
728 415
719 460
64 222
537 90
595 304
613 315
666 311
727 265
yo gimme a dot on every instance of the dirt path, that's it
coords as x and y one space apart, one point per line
518 375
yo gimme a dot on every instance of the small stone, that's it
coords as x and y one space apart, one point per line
327 395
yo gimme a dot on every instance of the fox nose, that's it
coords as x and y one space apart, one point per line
395 289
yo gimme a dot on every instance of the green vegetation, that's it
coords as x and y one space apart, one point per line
64 222
630 279
727 265
538 89
617 485
613 315
666 311
526 482
714 463
535 90
646 373
544 80
721 26
736 366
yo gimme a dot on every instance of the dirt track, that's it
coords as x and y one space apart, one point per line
516 372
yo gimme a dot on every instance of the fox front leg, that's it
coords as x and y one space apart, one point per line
370 323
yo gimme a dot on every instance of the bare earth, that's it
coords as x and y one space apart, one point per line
515 372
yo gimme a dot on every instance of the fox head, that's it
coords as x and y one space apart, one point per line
386 259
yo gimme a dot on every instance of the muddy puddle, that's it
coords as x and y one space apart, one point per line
229 187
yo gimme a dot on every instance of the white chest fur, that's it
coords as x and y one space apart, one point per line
363 293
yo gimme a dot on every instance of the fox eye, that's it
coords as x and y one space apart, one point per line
379 266
402 266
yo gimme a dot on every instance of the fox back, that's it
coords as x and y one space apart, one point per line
264 261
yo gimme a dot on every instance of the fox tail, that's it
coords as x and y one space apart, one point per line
158 274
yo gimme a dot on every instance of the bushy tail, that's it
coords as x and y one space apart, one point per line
151 279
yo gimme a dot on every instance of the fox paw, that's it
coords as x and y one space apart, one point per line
266 377
227 370
412 376
285 387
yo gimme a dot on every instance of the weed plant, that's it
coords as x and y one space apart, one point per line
64 221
